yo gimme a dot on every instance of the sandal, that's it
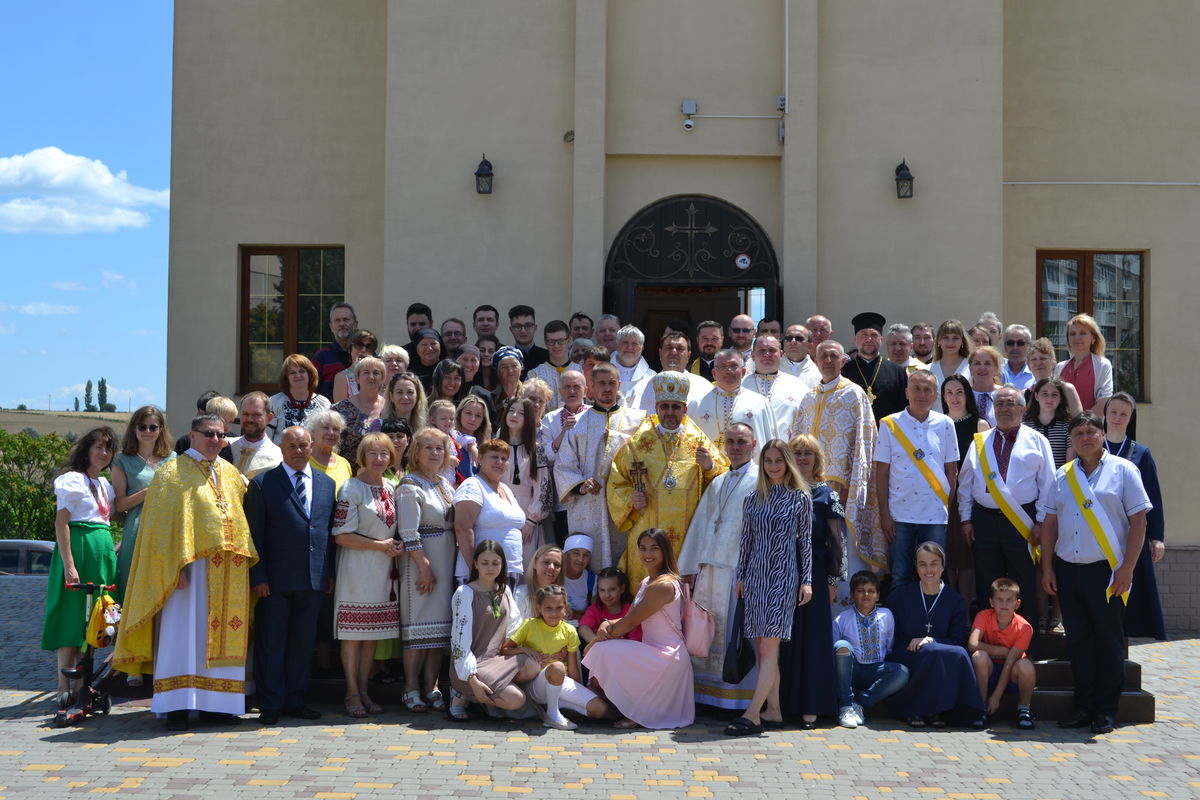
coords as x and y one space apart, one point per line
936 721
354 706
916 722
1025 719
435 700
743 727
625 724
413 702
370 705
457 712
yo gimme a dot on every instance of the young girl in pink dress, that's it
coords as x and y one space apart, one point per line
650 681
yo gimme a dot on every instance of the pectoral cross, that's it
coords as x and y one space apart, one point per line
638 474
928 628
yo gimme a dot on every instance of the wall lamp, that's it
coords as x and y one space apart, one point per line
484 175
904 181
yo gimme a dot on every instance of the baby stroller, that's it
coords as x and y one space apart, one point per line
85 698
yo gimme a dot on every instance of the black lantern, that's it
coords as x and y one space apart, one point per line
483 177
904 181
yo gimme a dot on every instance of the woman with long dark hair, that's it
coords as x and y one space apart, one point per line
83 551
145 447
529 473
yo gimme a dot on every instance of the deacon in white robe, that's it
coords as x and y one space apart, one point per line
584 459
710 553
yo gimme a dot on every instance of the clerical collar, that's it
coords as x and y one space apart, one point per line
668 432
729 392
831 383
742 468
797 363
865 360
602 410
774 374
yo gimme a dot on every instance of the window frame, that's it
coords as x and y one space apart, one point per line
1086 300
291 305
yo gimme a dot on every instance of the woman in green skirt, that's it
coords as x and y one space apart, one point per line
84 551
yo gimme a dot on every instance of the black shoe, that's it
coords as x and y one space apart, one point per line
1080 720
220 718
303 712
269 718
177 720
1103 723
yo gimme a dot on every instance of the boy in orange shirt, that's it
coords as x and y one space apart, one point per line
999 638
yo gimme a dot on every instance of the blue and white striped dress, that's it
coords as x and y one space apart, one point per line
775 559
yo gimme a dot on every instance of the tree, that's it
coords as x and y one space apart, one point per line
27 468
76 402
105 406
88 405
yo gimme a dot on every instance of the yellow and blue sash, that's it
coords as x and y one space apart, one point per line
1097 520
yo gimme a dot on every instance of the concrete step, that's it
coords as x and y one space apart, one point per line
1052 646
1051 705
1057 672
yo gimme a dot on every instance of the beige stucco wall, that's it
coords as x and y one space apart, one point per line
920 80
277 138
504 88
1102 90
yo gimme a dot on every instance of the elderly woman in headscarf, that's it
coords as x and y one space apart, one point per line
507 363
429 348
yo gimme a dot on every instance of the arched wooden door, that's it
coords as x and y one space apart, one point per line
690 257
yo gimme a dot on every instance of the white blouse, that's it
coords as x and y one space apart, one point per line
74 494
462 629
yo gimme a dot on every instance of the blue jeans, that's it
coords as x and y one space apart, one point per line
875 682
903 551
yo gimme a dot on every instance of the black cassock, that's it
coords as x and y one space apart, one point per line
887 385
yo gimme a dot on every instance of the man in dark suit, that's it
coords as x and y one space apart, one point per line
290 511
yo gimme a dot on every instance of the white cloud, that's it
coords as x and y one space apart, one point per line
69 286
57 192
113 280
42 309
7 330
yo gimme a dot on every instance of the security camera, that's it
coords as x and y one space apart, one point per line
688 124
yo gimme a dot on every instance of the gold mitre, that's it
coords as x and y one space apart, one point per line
671 387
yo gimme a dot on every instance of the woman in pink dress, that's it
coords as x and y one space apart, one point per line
1087 369
650 681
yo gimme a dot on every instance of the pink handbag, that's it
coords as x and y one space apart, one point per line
699 626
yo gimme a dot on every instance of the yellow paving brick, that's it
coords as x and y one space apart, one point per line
610 746
931 789
622 797
483 746
838 746
131 749
75 784
887 739
240 762
366 785
42 767
401 747
861 755
997 780
705 759
93 745
651 758
614 776
667 750
474 777
662 782
266 782
542 756
11 752
666 772
885 789
444 741
106 790
727 778
514 789
530 769
816 776
1151 760
227 735
332 769
587 766
1121 777
51 779
338 760
784 744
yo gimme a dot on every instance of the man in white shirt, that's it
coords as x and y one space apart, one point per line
557 337
253 451
1016 470
1091 583
796 360
916 465
782 391
1014 370
730 402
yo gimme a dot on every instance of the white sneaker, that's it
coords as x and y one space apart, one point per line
858 712
558 721
847 717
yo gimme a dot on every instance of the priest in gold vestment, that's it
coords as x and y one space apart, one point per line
838 413
658 475
191 570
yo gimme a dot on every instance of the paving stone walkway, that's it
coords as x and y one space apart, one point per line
425 756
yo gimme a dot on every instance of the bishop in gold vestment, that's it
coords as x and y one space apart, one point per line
664 462
191 569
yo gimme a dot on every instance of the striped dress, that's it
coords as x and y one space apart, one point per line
775 559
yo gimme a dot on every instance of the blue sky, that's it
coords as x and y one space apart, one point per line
84 179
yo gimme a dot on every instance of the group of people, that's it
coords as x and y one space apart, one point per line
514 504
